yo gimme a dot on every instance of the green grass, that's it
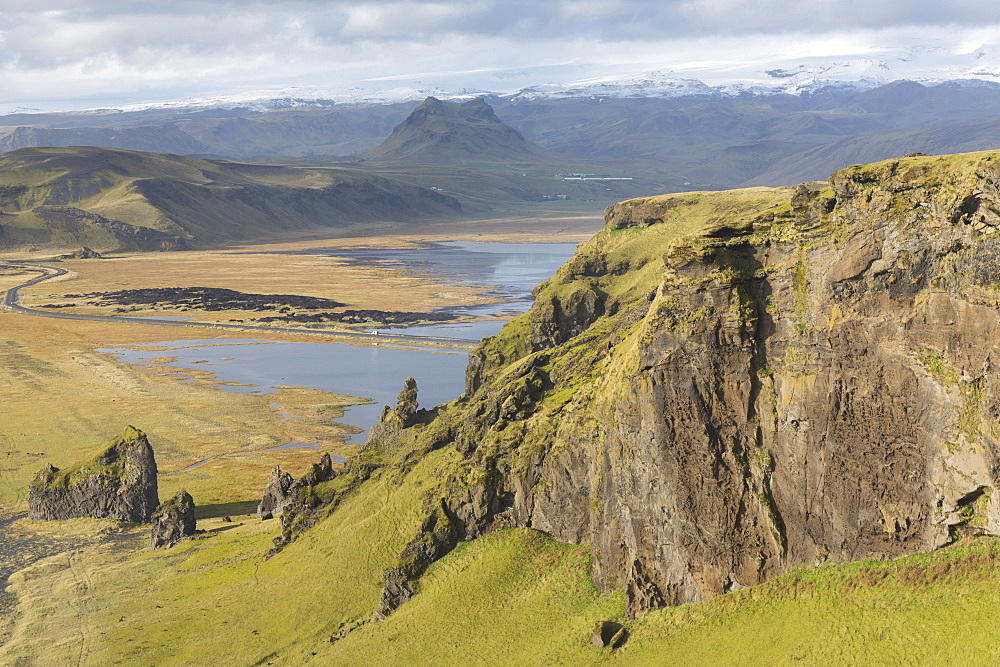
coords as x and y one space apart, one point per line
217 596
936 608
512 597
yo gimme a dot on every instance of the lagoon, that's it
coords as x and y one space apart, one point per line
261 366
508 271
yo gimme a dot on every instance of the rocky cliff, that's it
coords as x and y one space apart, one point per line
119 483
721 385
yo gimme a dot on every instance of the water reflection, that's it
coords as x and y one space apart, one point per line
507 271
261 366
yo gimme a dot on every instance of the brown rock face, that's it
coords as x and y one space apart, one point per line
781 376
120 483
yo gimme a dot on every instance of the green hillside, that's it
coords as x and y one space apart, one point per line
511 597
640 451
115 199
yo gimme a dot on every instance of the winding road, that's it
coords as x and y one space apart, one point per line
11 297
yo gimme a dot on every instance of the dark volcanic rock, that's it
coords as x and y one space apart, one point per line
438 535
608 633
120 483
393 420
173 520
353 316
306 500
84 253
210 298
279 484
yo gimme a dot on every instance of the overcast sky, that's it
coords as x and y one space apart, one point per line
73 54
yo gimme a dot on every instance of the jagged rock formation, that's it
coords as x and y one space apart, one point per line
279 484
173 520
309 498
119 483
394 420
722 385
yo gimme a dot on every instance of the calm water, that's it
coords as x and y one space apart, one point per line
260 366
508 271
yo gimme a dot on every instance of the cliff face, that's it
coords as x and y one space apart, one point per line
120 483
722 385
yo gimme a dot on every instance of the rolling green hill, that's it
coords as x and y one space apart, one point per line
116 199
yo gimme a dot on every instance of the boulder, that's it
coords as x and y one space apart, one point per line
173 520
119 483
86 253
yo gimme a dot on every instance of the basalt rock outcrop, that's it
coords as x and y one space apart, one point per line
275 496
119 483
173 520
722 385
309 498
393 420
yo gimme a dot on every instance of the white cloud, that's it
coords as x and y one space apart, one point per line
136 48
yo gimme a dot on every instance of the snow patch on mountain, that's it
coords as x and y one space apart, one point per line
929 65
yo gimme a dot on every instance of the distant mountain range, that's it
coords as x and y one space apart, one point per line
790 122
931 65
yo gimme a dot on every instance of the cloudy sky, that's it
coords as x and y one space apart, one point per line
60 54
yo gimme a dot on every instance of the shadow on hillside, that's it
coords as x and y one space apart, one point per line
226 509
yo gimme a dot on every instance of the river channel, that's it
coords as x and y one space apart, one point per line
507 271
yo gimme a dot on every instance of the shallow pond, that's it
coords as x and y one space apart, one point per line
260 366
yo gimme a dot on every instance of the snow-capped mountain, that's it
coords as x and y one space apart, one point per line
923 65
927 65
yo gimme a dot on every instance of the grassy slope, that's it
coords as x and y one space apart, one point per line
512 597
217 597
205 202
62 402
936 608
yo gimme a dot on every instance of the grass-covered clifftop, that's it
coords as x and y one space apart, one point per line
722 385
110 199
749 426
